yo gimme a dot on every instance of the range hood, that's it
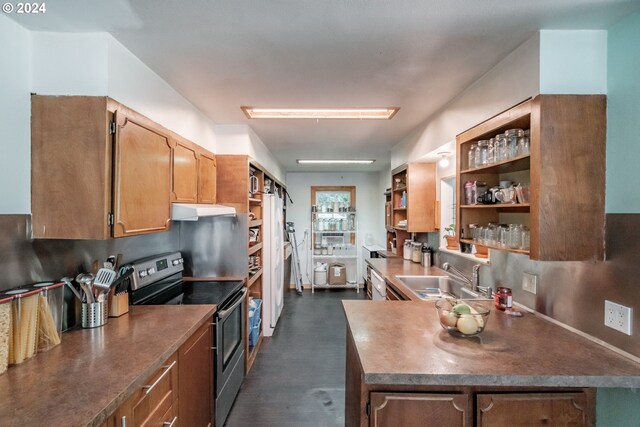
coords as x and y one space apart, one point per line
191 212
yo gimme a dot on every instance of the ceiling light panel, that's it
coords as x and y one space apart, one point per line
321 113
334 162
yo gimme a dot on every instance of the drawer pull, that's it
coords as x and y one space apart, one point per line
155 383
170 424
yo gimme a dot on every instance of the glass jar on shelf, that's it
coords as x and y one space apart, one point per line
482 152
512 136
501 148
472 156
523 146
515 236
491 153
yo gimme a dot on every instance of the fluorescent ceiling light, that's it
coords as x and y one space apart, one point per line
334 162
320 113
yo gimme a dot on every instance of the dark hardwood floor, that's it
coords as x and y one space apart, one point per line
298 376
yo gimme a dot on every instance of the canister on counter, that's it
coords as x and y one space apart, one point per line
5 333
406 253
503 298
416 252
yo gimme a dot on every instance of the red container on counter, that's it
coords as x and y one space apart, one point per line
503 298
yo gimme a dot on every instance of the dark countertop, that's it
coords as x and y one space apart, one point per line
391 267
86 378
402 342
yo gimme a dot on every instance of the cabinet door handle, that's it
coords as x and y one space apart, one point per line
155 383
170 424
123 421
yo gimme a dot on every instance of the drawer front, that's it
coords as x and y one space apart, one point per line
169 418
154 399
534 409
420 409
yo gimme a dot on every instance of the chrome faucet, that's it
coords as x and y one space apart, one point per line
474 283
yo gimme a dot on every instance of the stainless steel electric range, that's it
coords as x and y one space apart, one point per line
158 280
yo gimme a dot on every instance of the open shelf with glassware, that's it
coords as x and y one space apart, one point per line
333 241
513 176
241 182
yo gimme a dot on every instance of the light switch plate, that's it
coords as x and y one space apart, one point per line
530 282
618 317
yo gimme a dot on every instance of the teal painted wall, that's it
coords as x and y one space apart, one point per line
616 407
623 116
621 407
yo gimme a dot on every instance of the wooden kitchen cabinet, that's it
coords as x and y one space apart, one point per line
452 405
99 170
206 177
420 409
195 379
418 181
194 174
151 402
142 176
565 171
393 295
185 173
533 409
181 391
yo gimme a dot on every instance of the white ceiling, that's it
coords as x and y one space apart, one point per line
416 55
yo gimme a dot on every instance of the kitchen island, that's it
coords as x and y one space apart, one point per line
404 369
93 372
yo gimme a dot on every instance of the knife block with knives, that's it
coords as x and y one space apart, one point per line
119 297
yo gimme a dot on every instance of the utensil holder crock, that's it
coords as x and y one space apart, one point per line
95 314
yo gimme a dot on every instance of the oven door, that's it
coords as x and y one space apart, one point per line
230 340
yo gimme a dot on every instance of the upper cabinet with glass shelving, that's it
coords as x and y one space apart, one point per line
559 165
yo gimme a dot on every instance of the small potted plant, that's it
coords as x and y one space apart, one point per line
452 243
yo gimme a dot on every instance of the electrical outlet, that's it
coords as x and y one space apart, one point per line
530 282
618 317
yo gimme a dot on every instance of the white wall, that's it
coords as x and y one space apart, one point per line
241 139
69 64
134 84
76 64
573 61
15 115
511 81
370 210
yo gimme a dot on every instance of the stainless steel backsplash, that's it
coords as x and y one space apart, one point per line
574 292
24 260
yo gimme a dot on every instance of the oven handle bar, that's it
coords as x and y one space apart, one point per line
223 314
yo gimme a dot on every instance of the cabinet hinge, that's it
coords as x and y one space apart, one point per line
112 127
110 219
368 409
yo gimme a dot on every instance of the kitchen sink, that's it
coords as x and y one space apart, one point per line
434 287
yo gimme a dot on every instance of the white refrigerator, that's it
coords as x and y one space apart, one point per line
273 262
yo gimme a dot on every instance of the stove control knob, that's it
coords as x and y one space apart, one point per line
175 262
142 274
150 271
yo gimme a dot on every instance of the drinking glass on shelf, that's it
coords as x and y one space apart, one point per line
503 235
